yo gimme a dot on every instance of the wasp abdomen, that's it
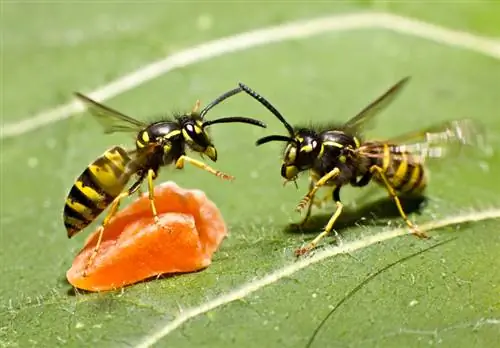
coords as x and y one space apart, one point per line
405 174
94 190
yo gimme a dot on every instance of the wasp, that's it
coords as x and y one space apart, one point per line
336 155
103 183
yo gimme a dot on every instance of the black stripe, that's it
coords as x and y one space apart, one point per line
409 173
77 196
419 180
88 179
72 213
123 153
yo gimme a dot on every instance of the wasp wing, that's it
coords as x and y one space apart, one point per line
111 120
361 121
436 141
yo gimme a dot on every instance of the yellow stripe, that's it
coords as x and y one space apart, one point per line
306 148
108 181
92 194
400 173
117 160
139 144
321 150
333 143
82 209
186 136
357 142
387 157
423 183
413 179
172 134
145 137
116 157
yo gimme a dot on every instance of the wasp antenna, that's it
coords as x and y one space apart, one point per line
235 119
273 138
218 100
268 105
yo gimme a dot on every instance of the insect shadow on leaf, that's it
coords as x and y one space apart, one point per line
357 288
372 213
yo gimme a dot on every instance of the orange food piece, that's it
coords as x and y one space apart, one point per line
134 248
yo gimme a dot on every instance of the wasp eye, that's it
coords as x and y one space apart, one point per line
291 154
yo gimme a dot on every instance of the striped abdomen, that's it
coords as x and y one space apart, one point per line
404 172
95 189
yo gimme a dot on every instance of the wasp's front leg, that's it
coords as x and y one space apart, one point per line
309 205
321 182
180 164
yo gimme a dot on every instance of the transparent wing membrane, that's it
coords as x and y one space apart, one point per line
448 139
363 120
111 120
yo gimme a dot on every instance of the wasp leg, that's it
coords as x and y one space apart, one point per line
414 229
328 228
309 207
321 202
180 164
151 177
112 211
324 179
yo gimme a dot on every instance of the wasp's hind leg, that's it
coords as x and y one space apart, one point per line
112 211
392 192
328 228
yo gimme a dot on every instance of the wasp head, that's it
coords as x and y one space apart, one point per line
196 136
194 127
300 153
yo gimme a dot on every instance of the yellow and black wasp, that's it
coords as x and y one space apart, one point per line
157 144
336 155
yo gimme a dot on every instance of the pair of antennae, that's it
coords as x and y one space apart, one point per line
276 113
234 119
353 124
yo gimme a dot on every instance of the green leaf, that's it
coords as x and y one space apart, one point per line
255 292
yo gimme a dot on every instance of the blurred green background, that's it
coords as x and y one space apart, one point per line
447 297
